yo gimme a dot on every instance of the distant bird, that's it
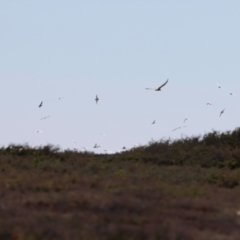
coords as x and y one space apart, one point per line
153 122
208 103
124 148
59 98
40 105
96 146
44 118
178 128
159 88
222 112
38 131
96 99
232 94
219 86
185 120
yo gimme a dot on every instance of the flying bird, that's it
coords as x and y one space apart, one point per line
208 103
222 112
96 99
38 131
178 128
232 94
44 118
153 122
96 146
40 105
59 98
219 86
159 88
185 120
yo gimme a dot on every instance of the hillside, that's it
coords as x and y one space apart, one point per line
171 190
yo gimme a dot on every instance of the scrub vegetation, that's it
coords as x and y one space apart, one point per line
168 190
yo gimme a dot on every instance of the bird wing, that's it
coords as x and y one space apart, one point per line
221 112
150 89
162 85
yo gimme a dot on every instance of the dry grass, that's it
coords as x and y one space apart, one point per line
47 194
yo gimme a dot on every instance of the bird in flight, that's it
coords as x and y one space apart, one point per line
222 112
38 131
232 94
44 117
96 99
185 120
40 105
59 98
159 88
153 122
208 103
96 146
178 128
219 86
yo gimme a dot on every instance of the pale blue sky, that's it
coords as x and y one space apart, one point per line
116 49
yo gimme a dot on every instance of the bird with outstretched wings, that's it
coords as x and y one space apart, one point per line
159 88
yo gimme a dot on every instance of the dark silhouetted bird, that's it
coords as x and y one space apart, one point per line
159 88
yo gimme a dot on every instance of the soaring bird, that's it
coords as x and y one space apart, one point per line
44 117
40 105
222 112
178 128
219 86
159 88
59 98
38 131
153 122
185 120
96 146
208 103
96 99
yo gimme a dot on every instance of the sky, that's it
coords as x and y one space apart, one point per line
117 49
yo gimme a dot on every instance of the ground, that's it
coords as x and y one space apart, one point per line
108 197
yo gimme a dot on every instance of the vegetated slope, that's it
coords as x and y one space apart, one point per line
185 189
214 149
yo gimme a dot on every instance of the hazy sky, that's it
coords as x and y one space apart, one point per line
77 49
